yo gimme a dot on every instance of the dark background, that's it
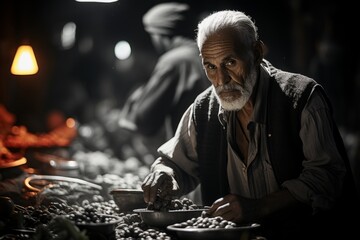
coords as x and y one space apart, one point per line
315 38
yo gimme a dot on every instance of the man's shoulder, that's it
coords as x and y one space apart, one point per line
283 76
292 84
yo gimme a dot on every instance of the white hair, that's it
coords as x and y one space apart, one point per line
239 21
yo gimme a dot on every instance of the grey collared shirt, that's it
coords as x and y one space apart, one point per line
318 184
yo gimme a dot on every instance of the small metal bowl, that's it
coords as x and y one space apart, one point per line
244 232
128 199
162 219
104 229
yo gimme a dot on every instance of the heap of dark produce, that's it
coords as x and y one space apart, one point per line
58 220
206 222
161 204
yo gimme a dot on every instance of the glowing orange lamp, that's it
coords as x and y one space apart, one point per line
24 62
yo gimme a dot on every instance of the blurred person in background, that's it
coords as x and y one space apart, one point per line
262 143
154 109
177 77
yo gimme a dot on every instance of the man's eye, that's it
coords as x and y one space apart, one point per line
230 62
210 67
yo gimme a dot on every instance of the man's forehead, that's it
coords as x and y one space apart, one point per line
221 36
219 44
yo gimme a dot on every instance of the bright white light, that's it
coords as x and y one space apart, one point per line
99 1
122 50
86 131
68 35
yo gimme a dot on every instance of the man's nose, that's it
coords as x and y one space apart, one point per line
223 77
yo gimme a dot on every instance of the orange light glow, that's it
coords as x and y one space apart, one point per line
70 122
24 62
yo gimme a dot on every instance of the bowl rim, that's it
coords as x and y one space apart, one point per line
49 178
249 226
145 210
126 190
13 162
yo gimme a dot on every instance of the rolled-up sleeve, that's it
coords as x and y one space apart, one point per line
180 154
321 180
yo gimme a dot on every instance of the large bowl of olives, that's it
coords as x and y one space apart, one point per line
162 219
212 228
164 213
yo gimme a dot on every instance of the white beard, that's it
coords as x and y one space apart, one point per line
246 91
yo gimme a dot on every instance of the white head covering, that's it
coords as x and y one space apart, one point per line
167 19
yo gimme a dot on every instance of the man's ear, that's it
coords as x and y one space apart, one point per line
259 51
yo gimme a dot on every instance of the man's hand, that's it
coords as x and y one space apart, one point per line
235 208
244 210
159 183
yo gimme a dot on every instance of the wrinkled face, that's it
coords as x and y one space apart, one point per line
230 68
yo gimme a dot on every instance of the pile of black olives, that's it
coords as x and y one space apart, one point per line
173 204
89 215
206 222
133 227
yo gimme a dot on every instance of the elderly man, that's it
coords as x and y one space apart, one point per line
261 141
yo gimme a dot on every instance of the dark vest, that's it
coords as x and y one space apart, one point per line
287 96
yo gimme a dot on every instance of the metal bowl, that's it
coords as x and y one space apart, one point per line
128 199
162 219
37 182
5 163
244 232
104 229
55 165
